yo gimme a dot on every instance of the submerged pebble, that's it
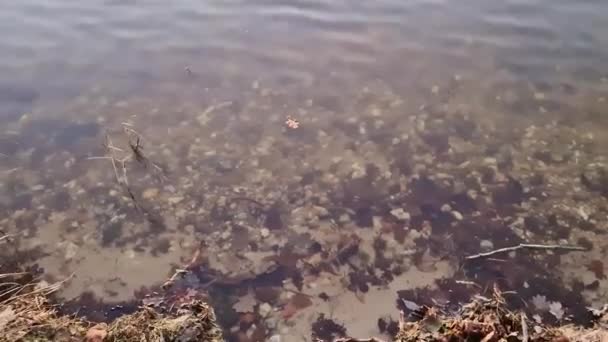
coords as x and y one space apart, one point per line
400 214
274 338
265 309
264 232
486 245
457 215
150 193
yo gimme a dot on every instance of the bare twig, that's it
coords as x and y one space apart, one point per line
43 290
218 106
6 275
185 270
136 145
110 149
171 281
6 237
525 246
524 328
8 172
467 282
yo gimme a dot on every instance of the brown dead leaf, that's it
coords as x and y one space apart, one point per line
597 267
301 301
288 311
298 302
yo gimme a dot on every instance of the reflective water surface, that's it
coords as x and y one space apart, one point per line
140 137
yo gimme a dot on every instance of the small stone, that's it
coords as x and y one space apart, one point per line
25 118
486 244
435 89
446 208
490 161
539 96
224 165
457 215
264 232
150 193
241 216
358 171
344 218
272 324
275 338
265 309
321 211
377 222
376 112
70 250
362 129
175 200
420 125
400 214
414 234
38 187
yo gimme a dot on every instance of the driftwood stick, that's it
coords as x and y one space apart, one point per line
524 246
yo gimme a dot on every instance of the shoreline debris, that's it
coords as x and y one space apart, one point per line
488 319
28 315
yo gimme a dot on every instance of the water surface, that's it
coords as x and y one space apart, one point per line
429 130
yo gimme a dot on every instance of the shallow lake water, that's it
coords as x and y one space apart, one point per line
138 138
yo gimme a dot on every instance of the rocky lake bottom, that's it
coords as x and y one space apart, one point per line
369 206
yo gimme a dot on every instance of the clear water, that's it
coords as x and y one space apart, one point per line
493 108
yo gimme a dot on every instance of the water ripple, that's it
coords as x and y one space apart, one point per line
278 37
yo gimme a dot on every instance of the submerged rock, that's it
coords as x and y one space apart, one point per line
486 245
400 214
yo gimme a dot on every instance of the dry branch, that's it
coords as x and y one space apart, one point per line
525 246
119 162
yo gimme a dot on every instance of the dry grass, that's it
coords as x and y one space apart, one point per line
488 320
193 322
27 315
